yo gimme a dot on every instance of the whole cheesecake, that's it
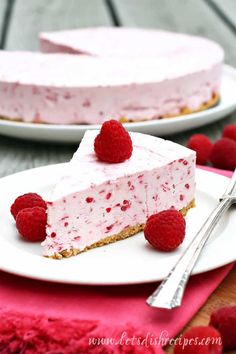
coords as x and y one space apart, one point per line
96 203
125 74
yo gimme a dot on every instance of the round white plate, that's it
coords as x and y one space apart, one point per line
125 262
161 127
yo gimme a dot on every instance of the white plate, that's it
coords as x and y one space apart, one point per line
125 262
162 127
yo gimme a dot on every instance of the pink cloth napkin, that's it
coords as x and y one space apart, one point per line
41 317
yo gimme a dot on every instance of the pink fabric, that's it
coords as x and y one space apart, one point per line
110 310
216 170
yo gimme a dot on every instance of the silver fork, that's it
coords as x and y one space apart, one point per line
170 292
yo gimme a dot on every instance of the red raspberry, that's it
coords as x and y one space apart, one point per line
224 320
202 145
223 154
113 144
199 340
28 200
229 132
31 223
165 231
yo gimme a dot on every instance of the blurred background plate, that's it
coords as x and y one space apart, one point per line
161 127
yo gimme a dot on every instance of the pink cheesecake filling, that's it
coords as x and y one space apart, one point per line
95 200
129 43
34 88
166 74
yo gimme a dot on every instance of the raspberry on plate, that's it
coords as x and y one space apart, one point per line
31 223
223 154
28 200
229 132
199 340
202 145
224 320
165 231
113 144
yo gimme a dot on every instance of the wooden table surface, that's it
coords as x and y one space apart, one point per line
21 20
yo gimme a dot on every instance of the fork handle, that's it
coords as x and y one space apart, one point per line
170 292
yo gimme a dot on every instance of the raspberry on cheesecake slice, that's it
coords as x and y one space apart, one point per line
101 201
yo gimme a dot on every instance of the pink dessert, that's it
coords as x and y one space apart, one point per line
159 175
145 75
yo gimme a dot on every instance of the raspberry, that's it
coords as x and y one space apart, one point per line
28 200
229 132
31 223
224 320
113 144
202 145
165 231
199 340
223 154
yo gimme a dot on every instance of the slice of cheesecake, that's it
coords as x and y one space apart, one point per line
96 203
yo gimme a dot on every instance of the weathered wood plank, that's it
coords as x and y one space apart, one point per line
18 155
31 17
228 7
190 16
3 4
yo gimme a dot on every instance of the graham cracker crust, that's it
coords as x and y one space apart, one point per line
185 110
127 232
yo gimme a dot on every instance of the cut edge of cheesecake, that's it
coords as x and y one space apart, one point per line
214 100
184 112
127 232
